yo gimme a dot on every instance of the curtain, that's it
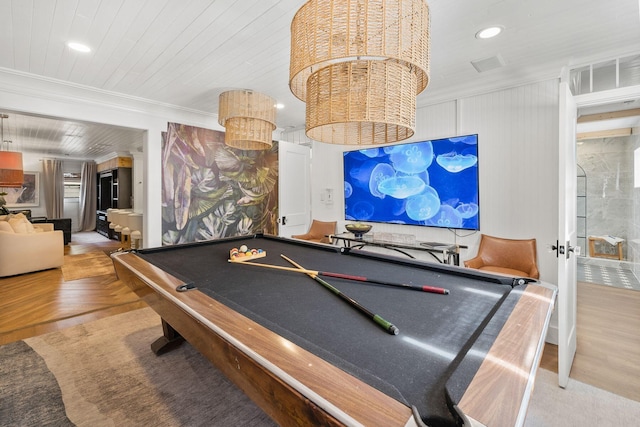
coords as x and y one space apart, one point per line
88 197
53 184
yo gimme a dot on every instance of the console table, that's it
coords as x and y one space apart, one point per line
449 253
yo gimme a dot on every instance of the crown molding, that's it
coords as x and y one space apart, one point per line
28 84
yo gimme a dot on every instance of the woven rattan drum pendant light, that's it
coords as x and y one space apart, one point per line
249 119
358 65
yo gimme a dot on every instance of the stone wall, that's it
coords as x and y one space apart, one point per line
612 203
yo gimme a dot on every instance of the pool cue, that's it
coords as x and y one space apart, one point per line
425 288
387 326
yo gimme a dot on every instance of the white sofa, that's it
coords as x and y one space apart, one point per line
24 252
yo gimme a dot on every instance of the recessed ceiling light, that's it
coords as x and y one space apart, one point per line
489 32
79 47
279 106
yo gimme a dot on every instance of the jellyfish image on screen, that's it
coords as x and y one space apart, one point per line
423 206
401 187
380 173
414 158
446 217
431 183
454 162
467 210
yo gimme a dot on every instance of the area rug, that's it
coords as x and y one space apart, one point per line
86 265
103 373
577 405
29 392
108 376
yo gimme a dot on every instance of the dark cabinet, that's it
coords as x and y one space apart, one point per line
102 225
114 191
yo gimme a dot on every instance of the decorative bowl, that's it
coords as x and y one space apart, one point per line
358 229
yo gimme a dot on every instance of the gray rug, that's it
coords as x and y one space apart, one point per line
29 392
108 376
103 373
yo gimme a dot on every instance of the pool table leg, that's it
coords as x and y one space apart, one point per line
168 341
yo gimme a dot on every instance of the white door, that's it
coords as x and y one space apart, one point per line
567 286
294 188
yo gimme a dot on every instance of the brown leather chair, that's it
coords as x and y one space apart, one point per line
506 256
318 231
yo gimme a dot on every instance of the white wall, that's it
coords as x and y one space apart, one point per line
518 138
518 142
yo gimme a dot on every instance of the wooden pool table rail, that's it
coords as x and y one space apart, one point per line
514 357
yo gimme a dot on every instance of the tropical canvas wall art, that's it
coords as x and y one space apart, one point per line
211 191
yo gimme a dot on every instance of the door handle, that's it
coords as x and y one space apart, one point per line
565 249
575 249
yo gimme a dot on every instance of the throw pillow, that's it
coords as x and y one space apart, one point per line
4 226
30 227
19 215
20 224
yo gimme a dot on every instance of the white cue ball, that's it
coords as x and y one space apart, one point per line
244 248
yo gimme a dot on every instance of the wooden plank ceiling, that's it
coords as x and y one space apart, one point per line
185 53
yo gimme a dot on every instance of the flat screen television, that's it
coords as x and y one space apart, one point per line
430 183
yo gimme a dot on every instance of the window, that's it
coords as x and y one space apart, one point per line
71 185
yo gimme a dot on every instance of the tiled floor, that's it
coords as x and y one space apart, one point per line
609 276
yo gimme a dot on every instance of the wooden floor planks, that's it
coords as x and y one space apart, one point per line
608 340
37 303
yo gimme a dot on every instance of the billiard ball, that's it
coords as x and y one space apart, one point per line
243 248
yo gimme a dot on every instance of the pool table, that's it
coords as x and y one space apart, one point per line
309 357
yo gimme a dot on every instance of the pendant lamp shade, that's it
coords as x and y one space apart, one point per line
11 172
358 65
361 102
249 119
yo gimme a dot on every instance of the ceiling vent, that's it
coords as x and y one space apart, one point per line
487 64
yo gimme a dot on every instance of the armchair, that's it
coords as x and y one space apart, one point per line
506 256
26 252
318 231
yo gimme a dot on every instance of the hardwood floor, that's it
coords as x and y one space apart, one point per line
608 351
608 340
37 303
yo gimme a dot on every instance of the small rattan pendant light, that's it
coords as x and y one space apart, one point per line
249 119
358 65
